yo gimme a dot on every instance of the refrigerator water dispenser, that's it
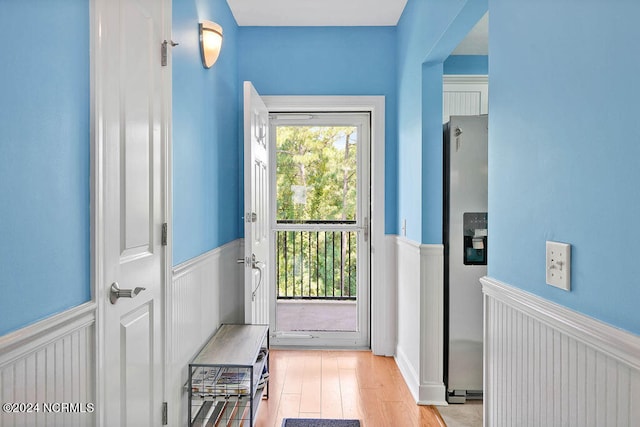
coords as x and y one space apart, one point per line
475 238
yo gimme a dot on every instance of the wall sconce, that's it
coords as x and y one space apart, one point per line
210 42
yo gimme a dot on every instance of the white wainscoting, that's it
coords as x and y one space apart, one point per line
384 304
420 348
205 292
50 362
464 95
408 348
546 365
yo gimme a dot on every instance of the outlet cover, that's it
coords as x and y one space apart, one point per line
559 265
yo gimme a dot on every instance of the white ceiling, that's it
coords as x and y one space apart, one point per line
317 12
477 41
314 13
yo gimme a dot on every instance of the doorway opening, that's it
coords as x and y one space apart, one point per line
320 193
465 232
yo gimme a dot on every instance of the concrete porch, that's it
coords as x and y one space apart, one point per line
316 315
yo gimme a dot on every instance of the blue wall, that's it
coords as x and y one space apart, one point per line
44 159
563 150
328 61
206 186
467 64
428 32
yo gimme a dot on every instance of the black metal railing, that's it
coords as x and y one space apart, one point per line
313 264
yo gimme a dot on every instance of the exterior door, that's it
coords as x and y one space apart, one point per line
131 136
256 202
321 209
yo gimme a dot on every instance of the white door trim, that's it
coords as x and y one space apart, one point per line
382 323
97 198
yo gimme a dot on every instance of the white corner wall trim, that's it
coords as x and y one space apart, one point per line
408 245
420 312
432 389
547 365
17 344
621 345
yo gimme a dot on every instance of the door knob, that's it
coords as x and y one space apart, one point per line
116 292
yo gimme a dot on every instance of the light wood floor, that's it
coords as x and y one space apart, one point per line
340 384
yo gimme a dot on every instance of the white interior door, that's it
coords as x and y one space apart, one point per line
256 204
131 134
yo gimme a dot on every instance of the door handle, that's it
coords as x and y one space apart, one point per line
257 265
116 292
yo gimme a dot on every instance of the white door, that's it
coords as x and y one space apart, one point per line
131 135
256 205
321 207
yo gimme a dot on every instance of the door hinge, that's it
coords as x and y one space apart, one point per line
251 217
163 54
164 234
165 417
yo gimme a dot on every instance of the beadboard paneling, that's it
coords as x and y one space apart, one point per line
50 362
205 292
419 350
464 96
547 365
408 348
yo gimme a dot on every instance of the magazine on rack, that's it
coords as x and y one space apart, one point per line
222 381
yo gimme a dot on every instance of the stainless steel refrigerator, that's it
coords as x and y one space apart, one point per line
465 242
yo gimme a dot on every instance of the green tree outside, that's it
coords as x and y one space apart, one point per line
316 170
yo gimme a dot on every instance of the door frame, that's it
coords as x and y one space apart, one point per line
99 66
381 295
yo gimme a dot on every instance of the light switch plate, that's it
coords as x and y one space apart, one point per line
559 265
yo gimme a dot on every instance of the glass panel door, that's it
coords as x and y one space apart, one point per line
321 209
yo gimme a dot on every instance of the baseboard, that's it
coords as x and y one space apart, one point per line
423 394
433 394
408 372
548 365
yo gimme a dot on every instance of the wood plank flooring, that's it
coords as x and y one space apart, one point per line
341 384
